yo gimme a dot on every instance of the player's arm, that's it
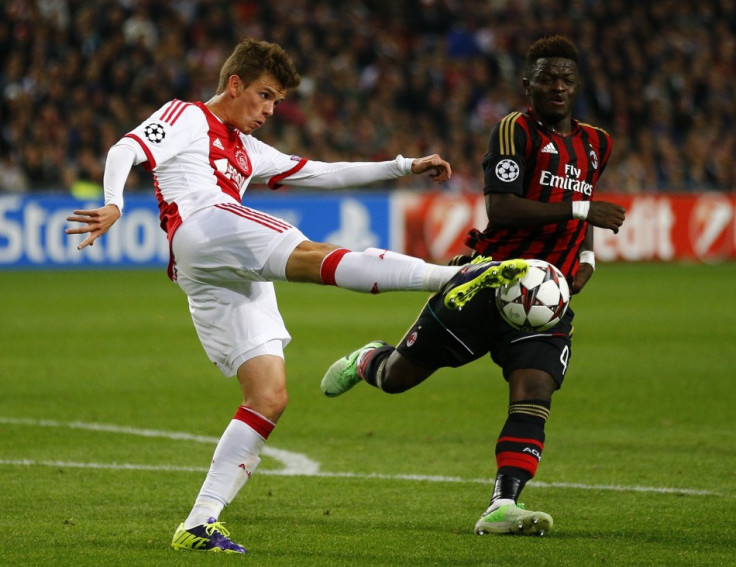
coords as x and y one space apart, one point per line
337 175
277 169
586 267
96 222
507 210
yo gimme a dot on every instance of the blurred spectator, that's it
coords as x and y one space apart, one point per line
433 75
12 177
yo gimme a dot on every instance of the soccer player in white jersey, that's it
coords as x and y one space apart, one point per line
225 255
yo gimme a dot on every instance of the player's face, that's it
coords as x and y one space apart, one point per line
552 87
255 103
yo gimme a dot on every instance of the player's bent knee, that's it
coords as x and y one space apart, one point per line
306 262
270 405
531 384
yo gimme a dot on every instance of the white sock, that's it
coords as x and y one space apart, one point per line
377 270
235 459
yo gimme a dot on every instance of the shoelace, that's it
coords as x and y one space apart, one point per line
216 526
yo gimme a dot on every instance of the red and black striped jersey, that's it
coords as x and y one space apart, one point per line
531 161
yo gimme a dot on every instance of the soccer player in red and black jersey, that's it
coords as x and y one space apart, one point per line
541 169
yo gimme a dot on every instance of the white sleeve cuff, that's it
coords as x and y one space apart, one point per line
404 164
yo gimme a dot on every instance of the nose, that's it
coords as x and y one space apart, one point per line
269 108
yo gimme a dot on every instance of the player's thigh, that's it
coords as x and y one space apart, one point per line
232 324
222 245
549 351
442 337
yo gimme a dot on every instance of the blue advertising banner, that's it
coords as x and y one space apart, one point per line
32 228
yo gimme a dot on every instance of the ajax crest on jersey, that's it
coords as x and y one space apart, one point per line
537 301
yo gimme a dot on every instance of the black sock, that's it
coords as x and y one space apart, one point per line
519 447
372 366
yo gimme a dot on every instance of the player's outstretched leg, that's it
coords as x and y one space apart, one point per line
480 274
513 519
343 374
212 536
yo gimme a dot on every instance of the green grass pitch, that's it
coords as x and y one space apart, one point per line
109 409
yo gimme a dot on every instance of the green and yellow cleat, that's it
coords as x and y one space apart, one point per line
482 273
211 536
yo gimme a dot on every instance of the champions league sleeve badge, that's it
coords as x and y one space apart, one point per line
154 133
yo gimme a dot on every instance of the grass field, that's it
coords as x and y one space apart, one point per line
109 411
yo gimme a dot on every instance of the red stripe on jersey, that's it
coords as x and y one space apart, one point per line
178 114
151 162
275 181
170 220
256 216
175 105
329 265
259 423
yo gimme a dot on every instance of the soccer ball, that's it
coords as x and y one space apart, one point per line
537 301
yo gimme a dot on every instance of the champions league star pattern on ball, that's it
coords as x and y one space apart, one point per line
537 301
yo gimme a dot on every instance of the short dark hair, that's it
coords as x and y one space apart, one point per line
251 58
552 46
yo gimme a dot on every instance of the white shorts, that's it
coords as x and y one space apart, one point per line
225 260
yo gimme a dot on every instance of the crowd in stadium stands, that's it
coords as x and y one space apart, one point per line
422 76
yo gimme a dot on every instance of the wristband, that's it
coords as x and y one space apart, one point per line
580 209
587 257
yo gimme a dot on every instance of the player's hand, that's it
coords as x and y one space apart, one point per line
95 222
440 169
584 273
606 215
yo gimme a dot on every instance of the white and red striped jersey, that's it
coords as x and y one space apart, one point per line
197 162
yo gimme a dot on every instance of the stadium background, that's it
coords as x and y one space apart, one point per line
379 78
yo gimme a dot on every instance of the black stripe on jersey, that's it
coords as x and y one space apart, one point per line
598 137
537 162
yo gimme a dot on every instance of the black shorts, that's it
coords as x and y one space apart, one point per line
442 337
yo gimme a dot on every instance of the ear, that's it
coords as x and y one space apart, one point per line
526 84
234 85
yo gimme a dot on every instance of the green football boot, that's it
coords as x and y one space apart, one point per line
343 374
513 519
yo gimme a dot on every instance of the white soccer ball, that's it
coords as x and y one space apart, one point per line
537 301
